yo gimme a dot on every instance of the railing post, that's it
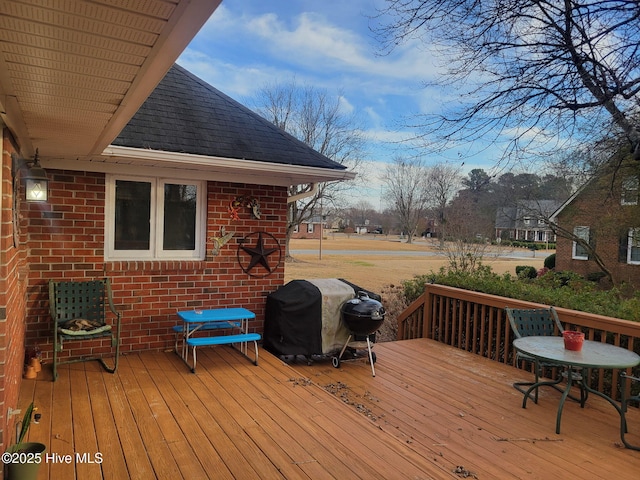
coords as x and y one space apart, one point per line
427 313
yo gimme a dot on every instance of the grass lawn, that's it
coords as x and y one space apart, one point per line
375 271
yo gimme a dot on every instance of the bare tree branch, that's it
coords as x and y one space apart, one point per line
536 72
314 117
407 191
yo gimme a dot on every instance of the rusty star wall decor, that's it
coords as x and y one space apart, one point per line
261 258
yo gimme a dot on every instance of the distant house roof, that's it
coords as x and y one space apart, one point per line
184 114
506 217
513 217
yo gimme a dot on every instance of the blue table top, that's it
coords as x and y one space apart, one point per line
216 315
592 355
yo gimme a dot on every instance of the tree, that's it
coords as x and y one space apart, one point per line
511 188
539 72
478 181
317 119
474 206
361 213
407 191
444 182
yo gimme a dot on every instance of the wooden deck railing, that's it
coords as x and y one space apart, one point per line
477 323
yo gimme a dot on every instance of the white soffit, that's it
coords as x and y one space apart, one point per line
73 72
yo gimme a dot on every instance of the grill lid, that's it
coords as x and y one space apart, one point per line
363 306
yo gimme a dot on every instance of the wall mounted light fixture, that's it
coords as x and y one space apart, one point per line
36 183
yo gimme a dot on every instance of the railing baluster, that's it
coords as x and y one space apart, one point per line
476 322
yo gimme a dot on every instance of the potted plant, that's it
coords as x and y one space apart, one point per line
22 459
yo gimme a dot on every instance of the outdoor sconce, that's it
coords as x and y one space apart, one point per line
36 183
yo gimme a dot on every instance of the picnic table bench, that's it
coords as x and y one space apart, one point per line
215 320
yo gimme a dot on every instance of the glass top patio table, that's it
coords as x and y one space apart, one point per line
593 355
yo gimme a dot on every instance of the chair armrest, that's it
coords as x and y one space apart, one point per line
630 377
109 295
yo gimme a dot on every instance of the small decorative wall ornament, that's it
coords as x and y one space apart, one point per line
219 242
244 201
259 254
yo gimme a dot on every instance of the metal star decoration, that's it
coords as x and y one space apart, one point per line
259 253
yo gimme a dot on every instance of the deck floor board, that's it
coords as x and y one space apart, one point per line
431 412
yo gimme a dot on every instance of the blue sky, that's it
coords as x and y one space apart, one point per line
248 44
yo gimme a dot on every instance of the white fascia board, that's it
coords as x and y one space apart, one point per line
137 161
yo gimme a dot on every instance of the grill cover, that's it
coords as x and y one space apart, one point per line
303 317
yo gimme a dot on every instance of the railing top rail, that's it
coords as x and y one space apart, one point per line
574 317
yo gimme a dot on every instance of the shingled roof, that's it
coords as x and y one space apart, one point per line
184 114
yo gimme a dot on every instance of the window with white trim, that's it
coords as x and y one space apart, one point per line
579 251
154 218
309 227
633 247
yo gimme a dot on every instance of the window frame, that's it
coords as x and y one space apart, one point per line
630 190
156 220
574 254
633 232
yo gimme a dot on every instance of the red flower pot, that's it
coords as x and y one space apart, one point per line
573 340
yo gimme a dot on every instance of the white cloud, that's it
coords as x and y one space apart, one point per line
313 41
248 44
237 81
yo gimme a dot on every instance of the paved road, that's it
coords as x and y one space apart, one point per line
505 254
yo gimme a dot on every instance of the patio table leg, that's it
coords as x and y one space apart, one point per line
535 386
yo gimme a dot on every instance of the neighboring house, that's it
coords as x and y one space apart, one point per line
160 201
606 214
311 228
362 229
527 221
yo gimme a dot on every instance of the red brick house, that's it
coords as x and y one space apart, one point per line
605 213
312 228
155 179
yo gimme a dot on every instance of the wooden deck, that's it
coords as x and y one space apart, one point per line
432 411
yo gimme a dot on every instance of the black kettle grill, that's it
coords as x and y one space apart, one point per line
362 316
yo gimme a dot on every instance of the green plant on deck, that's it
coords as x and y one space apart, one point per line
23 428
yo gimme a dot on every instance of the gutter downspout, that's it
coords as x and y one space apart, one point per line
300 196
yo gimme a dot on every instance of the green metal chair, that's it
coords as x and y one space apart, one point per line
79 312
544 322
624 403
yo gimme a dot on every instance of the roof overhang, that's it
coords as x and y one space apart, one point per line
73 73
146 162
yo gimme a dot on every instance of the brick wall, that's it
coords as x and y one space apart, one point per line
598 206
66 241
13 280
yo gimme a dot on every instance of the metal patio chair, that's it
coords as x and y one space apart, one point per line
80 311
624 403
544 322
